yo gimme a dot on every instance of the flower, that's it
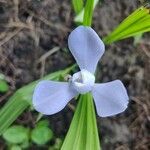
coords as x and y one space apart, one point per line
87 48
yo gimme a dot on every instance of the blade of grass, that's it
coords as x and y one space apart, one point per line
77 5
88 13
83 132
92 136
69 140
136 23
80 16
22 99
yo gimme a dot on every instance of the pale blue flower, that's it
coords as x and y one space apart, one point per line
110 98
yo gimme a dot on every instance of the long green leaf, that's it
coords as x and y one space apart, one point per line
77 5
22 100
88 13
80 16
83 134
136 23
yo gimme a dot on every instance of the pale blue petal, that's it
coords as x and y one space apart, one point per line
110 98
86 46
51 97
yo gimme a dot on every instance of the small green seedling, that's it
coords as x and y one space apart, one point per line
41 134
17 137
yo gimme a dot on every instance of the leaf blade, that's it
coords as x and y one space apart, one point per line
77 5
80 16
88 13
136 23
21 100
83 132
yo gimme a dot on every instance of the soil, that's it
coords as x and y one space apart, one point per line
29 29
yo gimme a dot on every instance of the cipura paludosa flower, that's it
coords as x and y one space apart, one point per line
87 48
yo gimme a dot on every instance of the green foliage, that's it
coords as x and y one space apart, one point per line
21 100
41 134
15 147
79 17
77 5
3 86
136 23
88 12
16 134
83 132
43 123
17 137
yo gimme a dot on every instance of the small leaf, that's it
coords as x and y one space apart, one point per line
15 147
16 134
25 144
136 23
43 123
41 135
3 86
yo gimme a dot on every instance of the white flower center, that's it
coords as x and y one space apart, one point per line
83 81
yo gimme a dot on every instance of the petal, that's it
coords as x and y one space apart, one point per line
51 97
110 98
83 81
86 46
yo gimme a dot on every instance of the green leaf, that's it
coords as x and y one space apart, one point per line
25 144
41 135
3 86
15 147
22 99
79 17
77 5
16 134
88 12
43 123
136 23
83 132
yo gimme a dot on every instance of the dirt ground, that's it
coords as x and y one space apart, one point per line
30 29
